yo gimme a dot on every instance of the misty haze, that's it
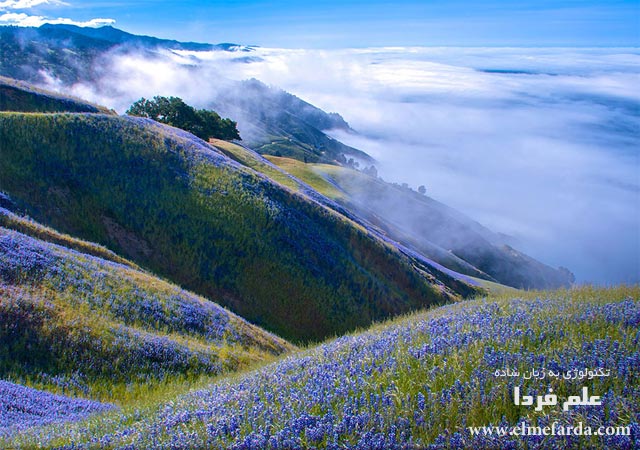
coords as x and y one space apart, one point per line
538 144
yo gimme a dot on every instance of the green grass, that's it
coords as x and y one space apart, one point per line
310 174
34 229
174 206
253 160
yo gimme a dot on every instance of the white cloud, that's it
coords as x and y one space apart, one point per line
26 4
30 20
26 20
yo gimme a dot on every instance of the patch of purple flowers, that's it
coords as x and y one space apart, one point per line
395 388
22 408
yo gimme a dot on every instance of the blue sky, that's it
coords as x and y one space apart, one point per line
353 23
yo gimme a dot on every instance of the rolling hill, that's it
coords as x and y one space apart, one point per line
85 325
274 122
154 288
418 382
430 227
178 207
418 222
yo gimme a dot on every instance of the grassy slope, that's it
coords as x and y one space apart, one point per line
416 381
301 178
25 225
306 173
322 178
82 325
173 205
18 96
251 159
432 228
289 172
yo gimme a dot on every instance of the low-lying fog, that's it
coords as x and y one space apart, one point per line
540 144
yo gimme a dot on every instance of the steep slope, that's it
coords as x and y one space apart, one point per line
173 204
274 122
419 382
20 96
84 325
433 229
291 173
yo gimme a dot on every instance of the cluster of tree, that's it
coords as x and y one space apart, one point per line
175 112
405 186
371 171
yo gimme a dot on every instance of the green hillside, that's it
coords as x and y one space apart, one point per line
174 205
19 96
81 325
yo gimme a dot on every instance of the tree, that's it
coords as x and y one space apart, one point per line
422 190
175 112
371 171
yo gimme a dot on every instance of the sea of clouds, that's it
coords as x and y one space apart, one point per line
539 144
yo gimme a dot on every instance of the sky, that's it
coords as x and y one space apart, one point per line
351 23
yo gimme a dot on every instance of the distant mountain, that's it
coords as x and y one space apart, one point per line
270 120
69 52
114 36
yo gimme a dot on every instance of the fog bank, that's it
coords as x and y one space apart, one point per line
540 144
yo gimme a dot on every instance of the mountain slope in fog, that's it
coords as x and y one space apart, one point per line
270 120
274 122
175 205
71 53
430 227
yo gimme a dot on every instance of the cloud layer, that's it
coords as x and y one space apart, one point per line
33 20
541 144
26 20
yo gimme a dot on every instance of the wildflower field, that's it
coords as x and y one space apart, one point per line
80 325
416 382
150 282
